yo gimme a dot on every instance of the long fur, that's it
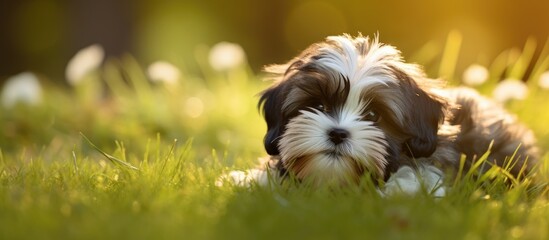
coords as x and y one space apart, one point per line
350 106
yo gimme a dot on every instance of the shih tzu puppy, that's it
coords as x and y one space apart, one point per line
350 107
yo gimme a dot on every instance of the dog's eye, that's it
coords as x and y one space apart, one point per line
320 107
371 115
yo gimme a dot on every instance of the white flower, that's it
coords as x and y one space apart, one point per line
510 89
83 62
162 71
225 56
544 80
475 75
24 88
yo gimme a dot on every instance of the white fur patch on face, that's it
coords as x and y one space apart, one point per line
306 144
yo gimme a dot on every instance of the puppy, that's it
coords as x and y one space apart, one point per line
350 107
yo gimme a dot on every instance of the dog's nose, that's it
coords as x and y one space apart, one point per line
338 135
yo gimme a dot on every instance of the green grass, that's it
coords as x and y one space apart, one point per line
55 185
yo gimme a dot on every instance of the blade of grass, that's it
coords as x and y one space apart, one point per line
482 160
427 53
138 79
74 160
122 149
112 70
510 164
450 56
460 170
114 160
147 151
165 162
518 70
185 154
541 65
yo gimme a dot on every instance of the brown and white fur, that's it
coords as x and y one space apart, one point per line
350 106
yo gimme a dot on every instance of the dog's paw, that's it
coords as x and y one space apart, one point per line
246 178
411 182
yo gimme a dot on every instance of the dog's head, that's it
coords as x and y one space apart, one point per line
347 107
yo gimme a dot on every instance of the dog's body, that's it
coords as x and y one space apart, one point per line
350 107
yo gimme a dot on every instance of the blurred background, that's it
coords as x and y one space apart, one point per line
42 35
140 72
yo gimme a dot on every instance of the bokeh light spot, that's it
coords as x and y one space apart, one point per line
194 107
162 71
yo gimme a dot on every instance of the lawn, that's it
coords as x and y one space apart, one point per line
124 151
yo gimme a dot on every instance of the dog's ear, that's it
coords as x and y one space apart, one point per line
425 118
426 114
270 104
